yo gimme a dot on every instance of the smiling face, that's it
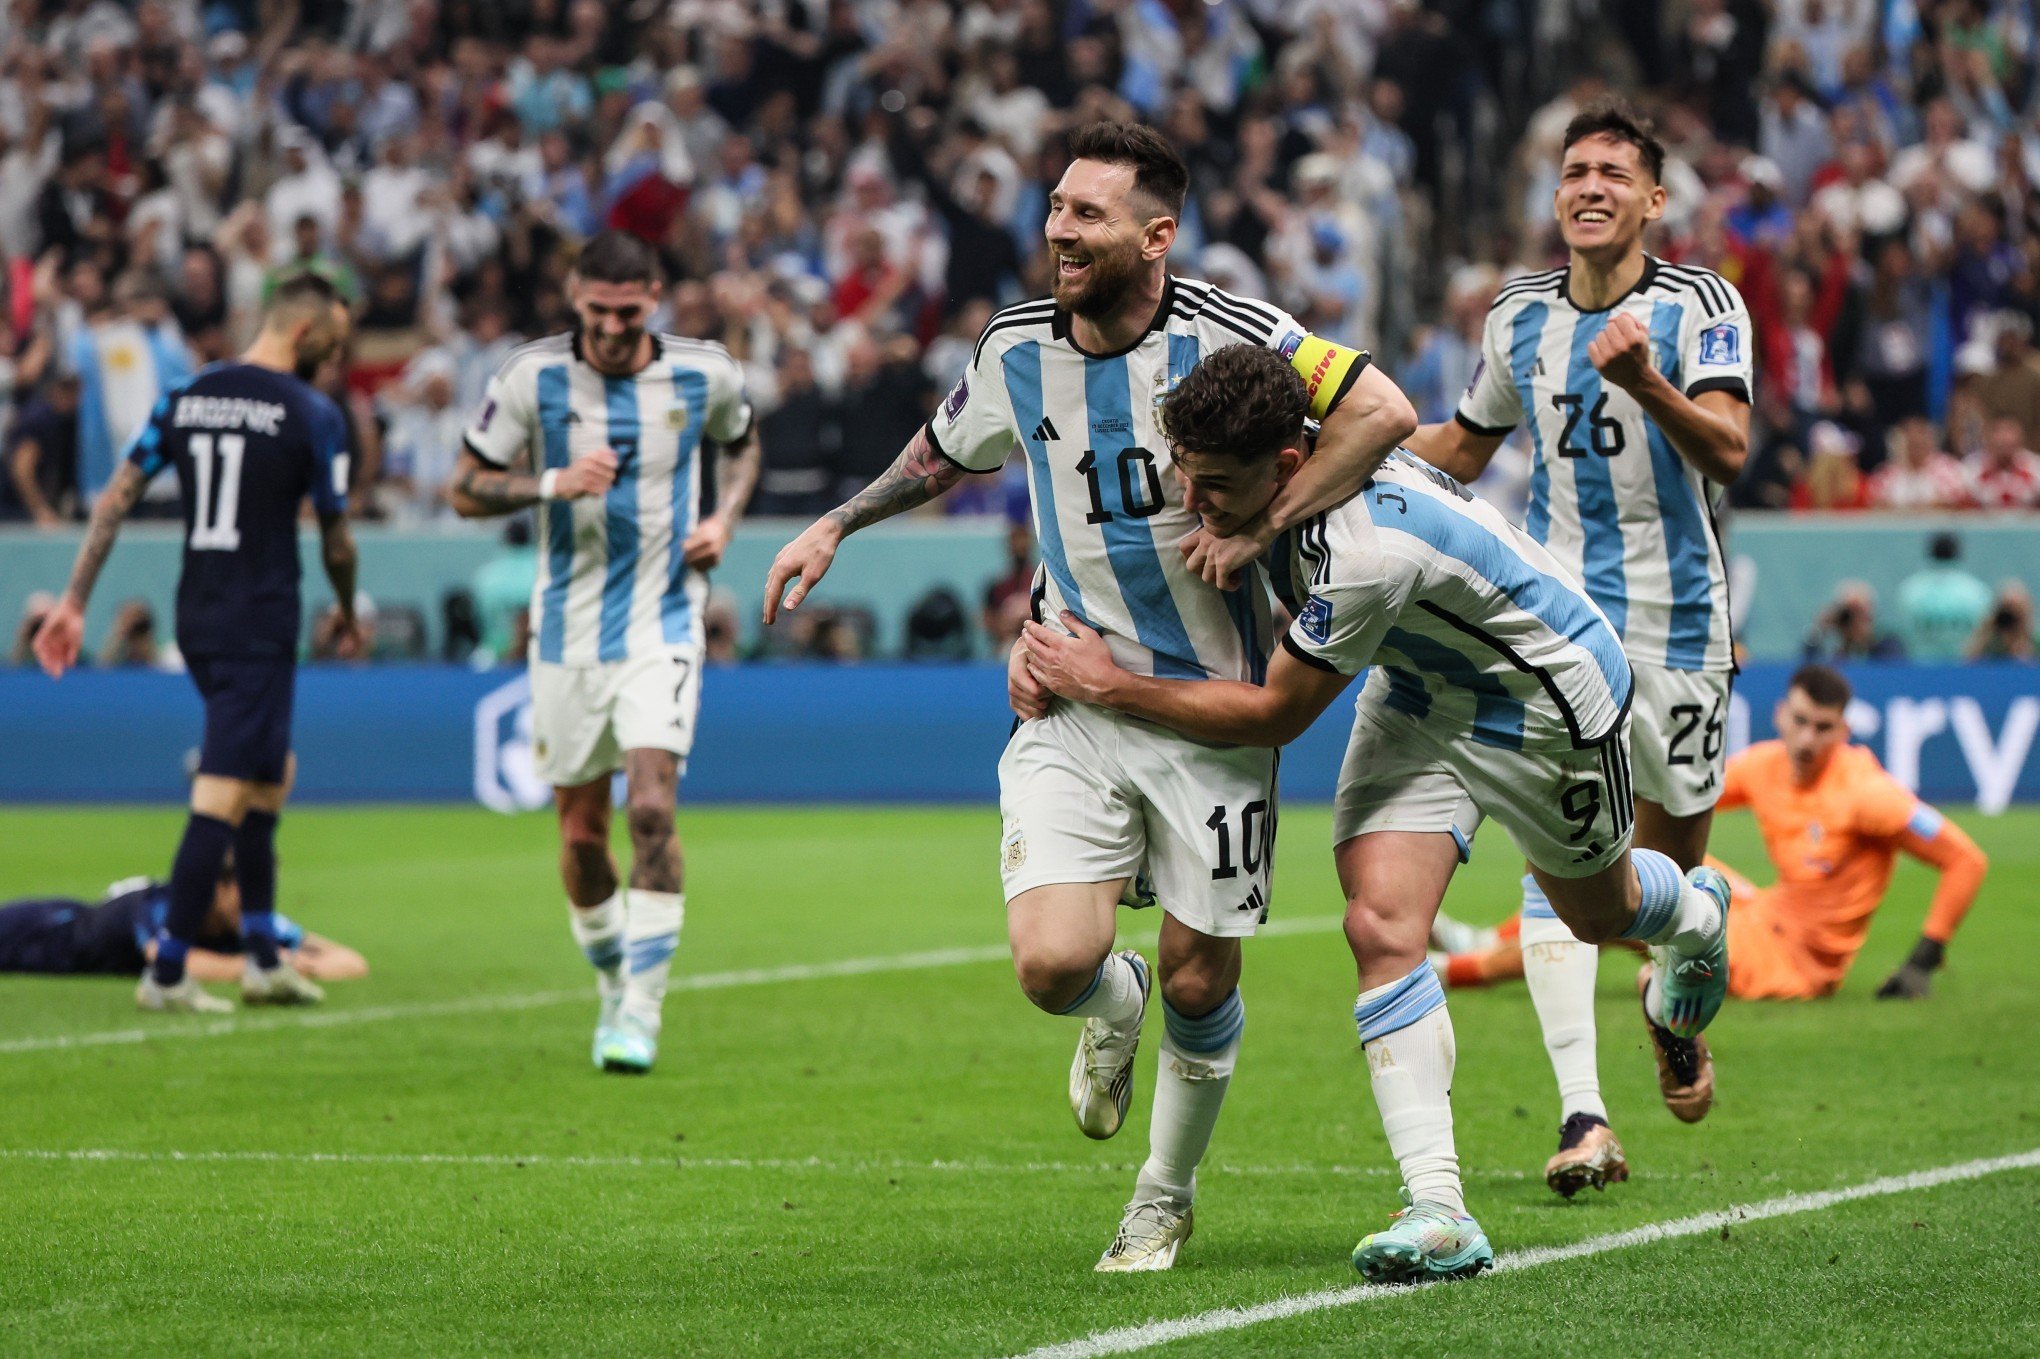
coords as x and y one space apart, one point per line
1103 234
1605 195
1226 492
613 317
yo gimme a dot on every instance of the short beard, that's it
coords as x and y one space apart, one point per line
1104 292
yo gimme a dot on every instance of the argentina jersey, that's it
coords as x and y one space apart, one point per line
1609 495
612 583
1465 621
1108 509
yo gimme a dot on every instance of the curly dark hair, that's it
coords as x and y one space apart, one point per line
1244 401
1158 171
1615 118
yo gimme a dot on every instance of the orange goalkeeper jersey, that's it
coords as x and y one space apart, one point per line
1834 844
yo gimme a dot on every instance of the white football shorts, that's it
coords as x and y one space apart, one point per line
1680 748
583 717
1569 811
1090 795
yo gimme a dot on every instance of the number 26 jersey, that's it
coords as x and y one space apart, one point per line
1609 495
1108 510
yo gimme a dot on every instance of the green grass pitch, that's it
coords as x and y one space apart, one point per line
880 1161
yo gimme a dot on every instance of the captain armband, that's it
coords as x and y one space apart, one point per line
1328 370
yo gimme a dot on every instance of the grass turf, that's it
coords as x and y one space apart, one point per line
883 1163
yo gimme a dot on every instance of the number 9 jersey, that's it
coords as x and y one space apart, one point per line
1609 495
1108 510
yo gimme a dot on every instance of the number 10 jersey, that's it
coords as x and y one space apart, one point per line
1108 511
1609 495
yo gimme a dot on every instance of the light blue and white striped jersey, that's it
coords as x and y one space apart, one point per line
1108 509
611 581
1465 620
1609 495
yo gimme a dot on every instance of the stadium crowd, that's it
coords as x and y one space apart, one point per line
844 190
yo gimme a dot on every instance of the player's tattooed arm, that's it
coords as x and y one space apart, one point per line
916 477
480 491
736 475
108 513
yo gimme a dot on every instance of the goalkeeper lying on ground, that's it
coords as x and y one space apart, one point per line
1834 823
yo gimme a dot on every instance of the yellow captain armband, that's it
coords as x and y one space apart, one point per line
1328 370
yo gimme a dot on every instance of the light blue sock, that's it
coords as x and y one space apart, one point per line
1660 885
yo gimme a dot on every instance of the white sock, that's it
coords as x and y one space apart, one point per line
1114 995
598 931
1560 971
1407 1036
650 937
1196 1066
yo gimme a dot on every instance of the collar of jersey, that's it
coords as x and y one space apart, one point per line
1650 268
1060 325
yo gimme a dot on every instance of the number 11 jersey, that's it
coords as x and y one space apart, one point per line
1609 495
248 444
1108 510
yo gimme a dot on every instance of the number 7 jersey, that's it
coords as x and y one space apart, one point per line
1108 510
1609 495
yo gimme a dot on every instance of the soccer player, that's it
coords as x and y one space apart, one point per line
1089 797
1495 687
639 452
1634 376
249 440
119 934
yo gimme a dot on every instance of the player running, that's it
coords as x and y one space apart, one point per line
1495 688
1090 798
1634 375
608 431
249 440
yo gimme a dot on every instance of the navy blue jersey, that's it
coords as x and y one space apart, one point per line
62 935
248 444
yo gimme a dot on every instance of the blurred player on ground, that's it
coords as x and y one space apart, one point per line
119 933
1834 823
1091 799
609 431
249 440
1495 687
1634 376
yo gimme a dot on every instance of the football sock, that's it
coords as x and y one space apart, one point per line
1671 911
651 933
255 871
1114 995
1196 1066
598 932
1406 1033
194 878
1560 971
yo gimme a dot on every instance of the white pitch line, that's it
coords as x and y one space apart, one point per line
1130 1339
469 1005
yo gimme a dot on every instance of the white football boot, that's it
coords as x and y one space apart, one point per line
1101 1076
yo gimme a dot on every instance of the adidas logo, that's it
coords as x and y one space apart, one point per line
1045 432
1255 902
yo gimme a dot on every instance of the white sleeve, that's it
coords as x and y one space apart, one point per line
974 425
729 409
502 429
1491 404
1715 344
1341 625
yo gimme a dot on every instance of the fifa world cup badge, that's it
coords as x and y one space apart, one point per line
1316 620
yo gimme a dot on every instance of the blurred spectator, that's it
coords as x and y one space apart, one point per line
2007 634
2004 474
132 641
32 612
937 628
803 436
1940 606
1847 629
885 399
1833 480
1009 600
2012 386
42 462
719 629
126 355
422 439
1919 476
